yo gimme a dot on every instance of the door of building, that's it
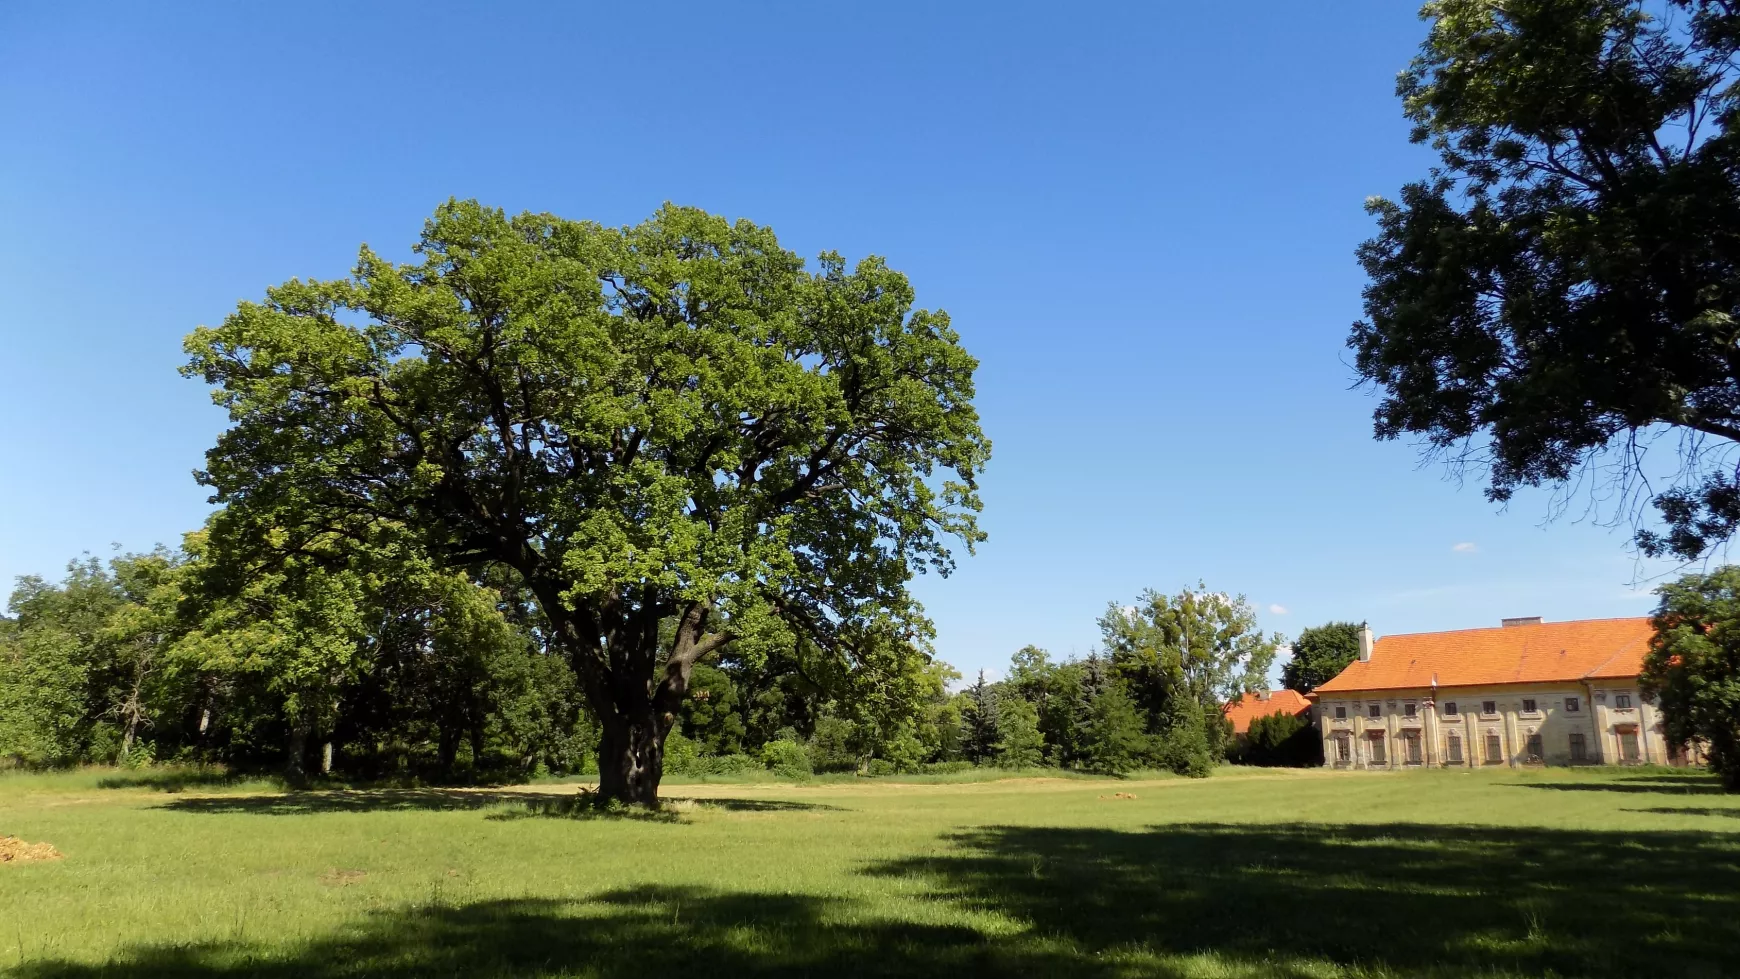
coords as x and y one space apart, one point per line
1628 748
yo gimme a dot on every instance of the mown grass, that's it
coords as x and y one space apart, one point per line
1254 873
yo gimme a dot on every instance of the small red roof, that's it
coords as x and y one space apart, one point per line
1542 652
1254 705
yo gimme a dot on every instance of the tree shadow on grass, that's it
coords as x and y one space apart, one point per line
640 932
175 779
1706 811
513 805
673 809
1285 901
1651 787
1677 778
1410 899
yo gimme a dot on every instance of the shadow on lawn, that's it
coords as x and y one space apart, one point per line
514 805
174 779
1449 900
1706 811
1676 778
1649 786
1286 901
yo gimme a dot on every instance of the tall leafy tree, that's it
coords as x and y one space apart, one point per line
1197 645
1319 653
1182 657
1565 284
81 673
1693 666
674 422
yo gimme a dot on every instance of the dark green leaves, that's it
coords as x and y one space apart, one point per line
1566 283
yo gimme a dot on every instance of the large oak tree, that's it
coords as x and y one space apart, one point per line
670 430
1564 287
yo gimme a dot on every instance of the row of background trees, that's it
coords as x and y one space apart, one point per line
379 665
372 662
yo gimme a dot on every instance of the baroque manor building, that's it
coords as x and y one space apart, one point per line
1526 693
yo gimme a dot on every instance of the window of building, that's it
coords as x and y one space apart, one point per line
1494 749
1408 710
1375 711
1411 744
1628 750
1450 709
1489 706
1528 706
1572 706
1377 748
1341 713
1579 751
1622 701
1343 748
1535 752
1454 746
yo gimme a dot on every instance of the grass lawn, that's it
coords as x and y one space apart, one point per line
1630 873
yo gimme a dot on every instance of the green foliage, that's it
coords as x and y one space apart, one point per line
1565 283
1197 645
1019 743
1319 654
1185 743
682 756
1284 740
978 712
1113 739
1181 657
832 745
674 422
787 759
712 714
84 669
44 716
365 646
1693 666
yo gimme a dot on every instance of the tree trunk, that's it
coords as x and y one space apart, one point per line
476 738
297 755
326 758
631 758
447 749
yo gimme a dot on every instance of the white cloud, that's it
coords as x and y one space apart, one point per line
1466 547
1277 610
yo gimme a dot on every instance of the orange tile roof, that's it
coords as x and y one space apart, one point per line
1547 652
1251 706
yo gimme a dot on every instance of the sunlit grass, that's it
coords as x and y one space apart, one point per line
1250 873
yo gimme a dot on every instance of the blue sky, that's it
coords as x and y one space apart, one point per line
1141 218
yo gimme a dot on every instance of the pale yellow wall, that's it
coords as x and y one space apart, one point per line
1596 719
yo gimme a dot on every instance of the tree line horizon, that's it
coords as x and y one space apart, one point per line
137 660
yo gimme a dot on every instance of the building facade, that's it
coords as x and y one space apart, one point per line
1526 693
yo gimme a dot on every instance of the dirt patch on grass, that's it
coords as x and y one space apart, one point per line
15 850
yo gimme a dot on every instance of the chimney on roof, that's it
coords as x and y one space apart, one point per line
1365 642
1263 694
1521 620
